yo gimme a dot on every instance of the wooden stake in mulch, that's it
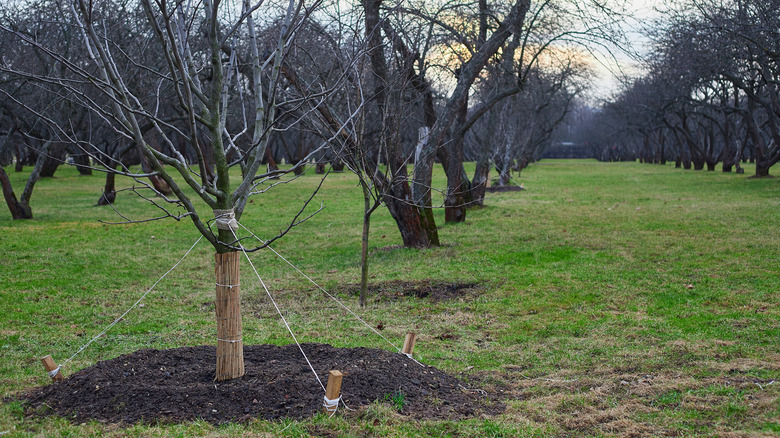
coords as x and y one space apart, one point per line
409 343
230 346
332 392
51 366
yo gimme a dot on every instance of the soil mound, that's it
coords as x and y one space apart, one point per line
178 385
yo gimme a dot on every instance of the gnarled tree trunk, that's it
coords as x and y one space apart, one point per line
17 210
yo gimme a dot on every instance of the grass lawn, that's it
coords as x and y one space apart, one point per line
615 299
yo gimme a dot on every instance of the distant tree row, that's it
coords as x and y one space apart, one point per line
710 94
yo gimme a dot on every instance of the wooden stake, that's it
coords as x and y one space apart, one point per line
50 366
409 343
333 390
230 347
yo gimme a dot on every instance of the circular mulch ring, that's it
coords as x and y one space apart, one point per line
178 385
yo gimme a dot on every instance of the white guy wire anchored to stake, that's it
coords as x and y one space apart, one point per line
278 310
329 295
131 307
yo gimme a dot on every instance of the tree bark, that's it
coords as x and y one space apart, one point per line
762 171
81 160
364 243
17 211
158 182
109 190
54 156
417 230
19 166
422 179
337 165
415 224
269 160
458 184
480 181
299 168
24 201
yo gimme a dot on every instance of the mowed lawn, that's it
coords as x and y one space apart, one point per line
614 299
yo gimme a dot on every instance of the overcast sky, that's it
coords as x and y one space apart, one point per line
606 82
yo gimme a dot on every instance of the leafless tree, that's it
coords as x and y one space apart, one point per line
210 95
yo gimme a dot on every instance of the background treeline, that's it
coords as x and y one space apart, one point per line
709 94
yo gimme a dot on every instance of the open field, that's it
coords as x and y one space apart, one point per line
613 299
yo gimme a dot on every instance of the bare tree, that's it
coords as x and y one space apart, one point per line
210 97
710 91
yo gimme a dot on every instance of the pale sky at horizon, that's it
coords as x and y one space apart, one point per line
606 83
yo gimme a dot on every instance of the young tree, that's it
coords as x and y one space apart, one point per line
186 84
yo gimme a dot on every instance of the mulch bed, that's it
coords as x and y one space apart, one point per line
178 385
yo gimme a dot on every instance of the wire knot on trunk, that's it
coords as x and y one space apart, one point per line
226 219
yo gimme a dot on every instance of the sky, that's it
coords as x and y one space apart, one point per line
607 70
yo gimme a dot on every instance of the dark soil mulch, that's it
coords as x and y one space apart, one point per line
432 290
178 385
498 189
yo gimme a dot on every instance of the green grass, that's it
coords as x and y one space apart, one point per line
617 299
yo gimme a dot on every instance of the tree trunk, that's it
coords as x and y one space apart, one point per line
762 170
480 181
270 162
364 244
17 210
24 201
504 166
159 184
206 149
81 161
230 344
417 228
109 191
422 179
53 158
503 178
19 166
299 167
457 182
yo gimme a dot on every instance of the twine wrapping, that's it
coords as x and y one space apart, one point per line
53 373
226 220
332 405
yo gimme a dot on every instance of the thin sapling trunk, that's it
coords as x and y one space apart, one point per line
368 209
